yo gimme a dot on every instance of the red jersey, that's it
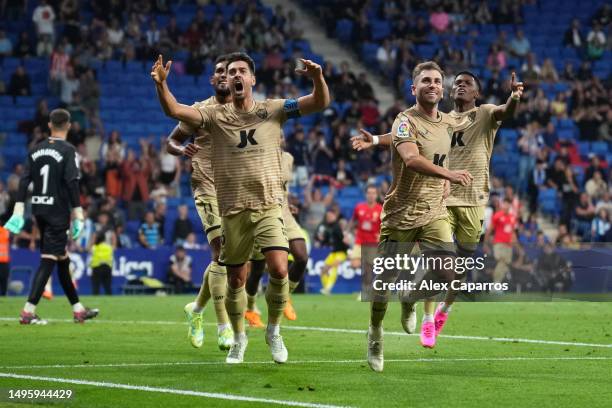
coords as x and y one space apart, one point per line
504 227
368 223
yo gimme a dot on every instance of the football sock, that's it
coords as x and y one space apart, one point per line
218 287
428 317
377 314
29 308
40 280
446 308
293 285
429 306
277 294
204 293
251 302
273 330
63 271
78 307
235 304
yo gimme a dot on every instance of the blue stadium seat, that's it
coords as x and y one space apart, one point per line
600 148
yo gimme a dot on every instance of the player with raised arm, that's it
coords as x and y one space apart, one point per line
52 168
413 208
246 164
471 149
214 283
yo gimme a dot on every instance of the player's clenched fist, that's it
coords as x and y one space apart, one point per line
159 72
309 68
462 177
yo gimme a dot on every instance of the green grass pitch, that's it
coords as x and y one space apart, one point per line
142 342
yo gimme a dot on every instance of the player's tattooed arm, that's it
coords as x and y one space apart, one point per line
319 99
175 144
366 140
503 112
169 104
409 152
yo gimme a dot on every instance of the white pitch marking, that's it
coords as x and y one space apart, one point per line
351 331
348 361
215 395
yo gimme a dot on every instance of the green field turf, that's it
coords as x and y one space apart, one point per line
147 335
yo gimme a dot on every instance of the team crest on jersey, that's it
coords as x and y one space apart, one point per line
450 131
262 113
472 116
403 130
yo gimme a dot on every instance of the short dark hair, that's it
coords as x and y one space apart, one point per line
369 186
424 66
221 58
472 75
241 56
59 118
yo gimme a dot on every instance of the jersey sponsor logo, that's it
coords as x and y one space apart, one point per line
457 139
403 130
472 117
438 159
262 113
49 153
43 200
246 137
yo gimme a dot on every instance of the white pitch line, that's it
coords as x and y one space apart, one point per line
227 397
351 331
347 361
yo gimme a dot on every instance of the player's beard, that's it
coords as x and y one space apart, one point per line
222 91
425 100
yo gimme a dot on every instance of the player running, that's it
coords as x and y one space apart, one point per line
414 208
246 164
298 254
471 149
214 283
53 169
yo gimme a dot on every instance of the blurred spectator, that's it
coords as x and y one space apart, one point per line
301 160
600 228
584 214
570 194
123 240
43 18
89 92
502 226
60 61
439 20
149 232
102 265
605 203
20 83
554 270
594 166
6 46
520 45
344 177
483 14
329 234
548 72
69 86
496 59
191 242
170 167
152 34
179 274
24 48
322 156
182 226
596 42
530 70
135 176
596 186
315 204
573 37
386 56
160 216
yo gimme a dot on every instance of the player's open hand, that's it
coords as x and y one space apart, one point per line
308 68
516 87
159 72
362 142
462 177
190 150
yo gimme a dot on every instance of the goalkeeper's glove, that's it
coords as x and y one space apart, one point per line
16 222
77 222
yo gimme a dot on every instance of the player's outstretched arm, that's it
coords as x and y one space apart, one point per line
175 143
185 113
366 140
503 112
319 98
409 152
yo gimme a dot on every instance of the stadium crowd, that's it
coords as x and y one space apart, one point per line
120 184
